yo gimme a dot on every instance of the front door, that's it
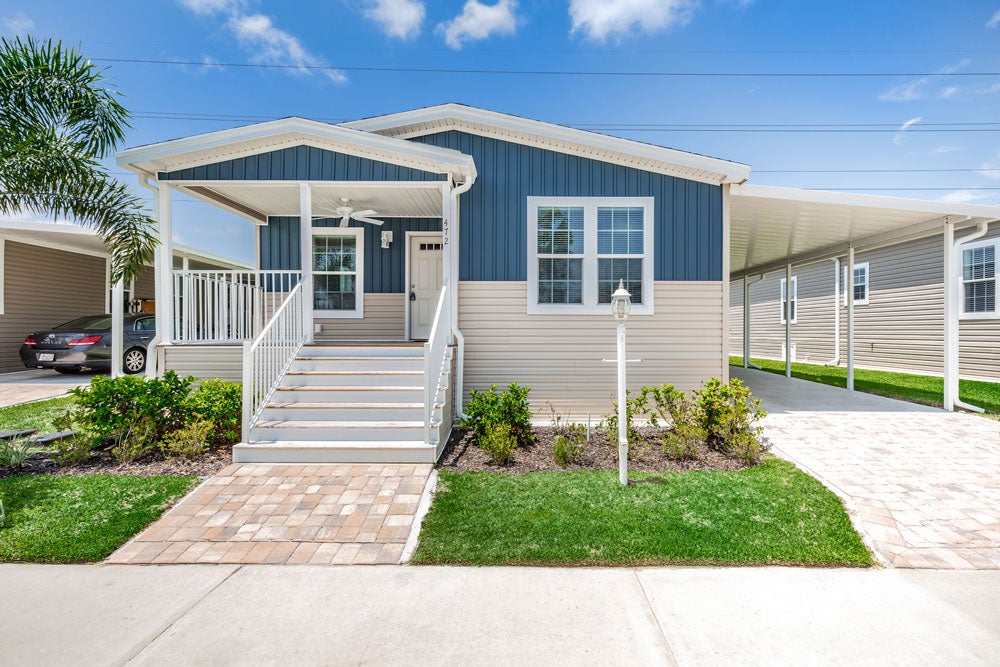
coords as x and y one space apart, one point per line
426 276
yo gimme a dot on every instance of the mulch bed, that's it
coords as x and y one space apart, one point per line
462 454
102 463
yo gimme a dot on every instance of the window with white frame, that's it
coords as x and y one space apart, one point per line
795 299
979 279
338 270
858 286
579 248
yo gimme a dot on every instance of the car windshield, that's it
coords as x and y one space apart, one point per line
91 323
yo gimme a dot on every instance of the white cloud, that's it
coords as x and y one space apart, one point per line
963 196
989 90
203 7
994 21
209 64
925 87
19 23
398 18
479 21
946 148
898 139
600 19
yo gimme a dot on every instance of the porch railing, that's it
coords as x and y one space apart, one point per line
437 364
226 306
269 354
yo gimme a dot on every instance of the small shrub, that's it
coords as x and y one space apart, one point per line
684 442
633 406
664 405
188 442
220 403
138 440
728 415
487 408
499 442
13 453
73 451
568 446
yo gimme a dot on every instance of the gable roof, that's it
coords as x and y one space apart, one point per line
648 157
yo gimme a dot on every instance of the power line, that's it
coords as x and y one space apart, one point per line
595 73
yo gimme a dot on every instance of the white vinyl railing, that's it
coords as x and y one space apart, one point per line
270 353
435 358
226 306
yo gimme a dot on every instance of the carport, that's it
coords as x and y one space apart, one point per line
773 229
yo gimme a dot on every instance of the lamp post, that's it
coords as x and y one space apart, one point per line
621 304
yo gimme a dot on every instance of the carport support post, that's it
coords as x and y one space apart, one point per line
746 321
788 319
849 295
117 328
164 265
305 222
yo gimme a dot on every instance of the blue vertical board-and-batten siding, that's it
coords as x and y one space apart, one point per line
384 267
300 163
493 214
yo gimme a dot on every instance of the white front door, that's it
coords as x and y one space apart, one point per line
426 277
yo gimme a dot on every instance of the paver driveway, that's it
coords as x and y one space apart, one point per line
923 483
35 385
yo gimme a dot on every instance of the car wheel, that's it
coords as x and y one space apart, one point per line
71 370
134 361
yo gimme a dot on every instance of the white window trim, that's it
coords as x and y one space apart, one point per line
962 315
849 285
359 301
795 299
590 305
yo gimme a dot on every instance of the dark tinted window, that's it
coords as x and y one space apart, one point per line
91 323
146 324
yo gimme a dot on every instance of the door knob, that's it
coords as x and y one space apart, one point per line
413 296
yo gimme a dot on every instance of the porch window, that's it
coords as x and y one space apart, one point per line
579 248
795 299
979 279
858 286
337 271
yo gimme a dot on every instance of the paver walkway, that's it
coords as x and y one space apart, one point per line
294 514
923 483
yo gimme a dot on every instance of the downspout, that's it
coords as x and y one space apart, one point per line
836 313
152 358
981 230
455 270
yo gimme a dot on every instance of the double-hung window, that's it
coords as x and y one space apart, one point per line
338 272
795 299
979 279
579 248
858 286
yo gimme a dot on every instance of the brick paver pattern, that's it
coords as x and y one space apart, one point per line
294 514
925 486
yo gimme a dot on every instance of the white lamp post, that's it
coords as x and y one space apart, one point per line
621 304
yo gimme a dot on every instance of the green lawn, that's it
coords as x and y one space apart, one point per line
906 386
771 514
79 519
38 414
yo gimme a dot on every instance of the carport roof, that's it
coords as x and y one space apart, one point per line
770 226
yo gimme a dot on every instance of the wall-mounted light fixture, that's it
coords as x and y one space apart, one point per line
386 240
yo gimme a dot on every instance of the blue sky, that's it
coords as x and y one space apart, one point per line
581 35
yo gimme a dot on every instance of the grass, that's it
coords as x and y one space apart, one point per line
771 514
37 414
79 519
922 389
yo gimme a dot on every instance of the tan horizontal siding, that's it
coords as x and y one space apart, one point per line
559 357
145 285
383 320
42 288
203 361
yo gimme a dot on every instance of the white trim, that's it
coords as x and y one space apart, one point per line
359 300
849 285
406 273
590 305
51 245
598 146
795 299
960 265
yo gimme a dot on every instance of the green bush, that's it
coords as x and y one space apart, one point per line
190 441
664 405
568 446
14 452
685 441
220 403
498 441
75 450
633 406
509 408
728 415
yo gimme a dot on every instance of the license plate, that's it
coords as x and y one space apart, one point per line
46 356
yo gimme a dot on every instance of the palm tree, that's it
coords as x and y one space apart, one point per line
58 118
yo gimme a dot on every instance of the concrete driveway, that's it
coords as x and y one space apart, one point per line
922 484
35 385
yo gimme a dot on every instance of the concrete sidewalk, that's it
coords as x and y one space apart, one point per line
309 615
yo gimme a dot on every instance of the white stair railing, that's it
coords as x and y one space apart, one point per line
268 356
435 363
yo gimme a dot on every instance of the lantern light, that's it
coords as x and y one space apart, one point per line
621 303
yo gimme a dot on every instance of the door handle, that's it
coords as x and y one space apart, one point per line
413 296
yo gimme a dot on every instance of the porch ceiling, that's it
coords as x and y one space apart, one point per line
260 200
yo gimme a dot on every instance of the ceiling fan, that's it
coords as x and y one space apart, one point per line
347 213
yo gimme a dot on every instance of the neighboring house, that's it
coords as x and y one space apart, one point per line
898 294
501 240
51 273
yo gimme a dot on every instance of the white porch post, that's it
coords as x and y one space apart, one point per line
305 222
164 265
117 328
788 319
746 321
849 294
